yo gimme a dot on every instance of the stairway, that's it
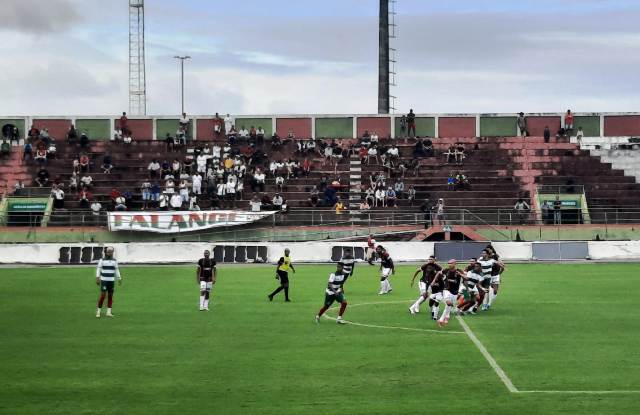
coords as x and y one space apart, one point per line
355 184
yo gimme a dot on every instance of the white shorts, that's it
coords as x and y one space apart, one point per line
473 291
449 296
205 285
495 279
436 297
385 272
423 287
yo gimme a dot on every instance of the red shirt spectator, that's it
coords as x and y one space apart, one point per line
124 123
115 193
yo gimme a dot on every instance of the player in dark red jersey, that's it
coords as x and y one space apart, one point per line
386 270
429 271
206 276
451 278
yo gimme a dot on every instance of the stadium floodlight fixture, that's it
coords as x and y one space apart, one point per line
182 59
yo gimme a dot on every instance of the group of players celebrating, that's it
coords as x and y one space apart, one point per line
462 291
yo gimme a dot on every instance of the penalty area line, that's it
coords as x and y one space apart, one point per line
583 392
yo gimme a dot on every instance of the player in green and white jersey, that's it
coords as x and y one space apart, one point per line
334 292
106 274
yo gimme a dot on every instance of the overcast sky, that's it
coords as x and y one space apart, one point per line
67 57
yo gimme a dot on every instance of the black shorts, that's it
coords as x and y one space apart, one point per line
485 283
284 277
107 286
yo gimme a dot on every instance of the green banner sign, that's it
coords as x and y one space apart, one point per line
27 206
565 203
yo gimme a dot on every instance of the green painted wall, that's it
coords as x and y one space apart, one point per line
265 123
334 127
18 122
169 126
425 127
498 126
590 125
95 129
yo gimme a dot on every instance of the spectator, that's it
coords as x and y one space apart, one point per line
547 134
459 154
314 196
291 134
169 185
123 124
84 140
232 135
411 123
374 138
34 133
392 197
260 134
193 204
338 207
184 122
568 121
114 195
522 209
364 205
176 201
42 177
562 133
107 164
154 169
462 183
196 183
279 202
84 163
451 181
163 201
243 133
155 192
381 198
255 203
95 209
58 197
394 154
522 125
52 150
184 190
181 138
403 126
120 203
27 151
117 135
451 154
231 191
127 139
86 181
371 154
5 149
440 215
579 136
370 196
228 124
557 208
218 125
419 149
72 135
411 195
145 188
73 182
276 143
280 183
258 181
41 156
85 197
176 168
45 137
428 211
399 188
170 142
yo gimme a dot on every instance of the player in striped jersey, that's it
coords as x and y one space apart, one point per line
348 263
335 292
106 274
487 262
470 298
496 272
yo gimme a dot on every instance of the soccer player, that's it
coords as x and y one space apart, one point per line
487 262
386 270
451 278
471 297
429 271
348 263
206 276
282 274
496 271
335 292
106 274
371 249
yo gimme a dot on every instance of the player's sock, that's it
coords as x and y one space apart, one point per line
286 293
435 309
101 299
447 311
201 300
382 286
206 303
343 307
492 297
110 300
388 285
322 310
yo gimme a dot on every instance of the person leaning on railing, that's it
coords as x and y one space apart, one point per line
522 210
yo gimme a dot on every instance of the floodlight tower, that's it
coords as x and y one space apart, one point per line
386 56
137 72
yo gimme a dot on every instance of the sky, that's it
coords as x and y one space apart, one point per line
70 57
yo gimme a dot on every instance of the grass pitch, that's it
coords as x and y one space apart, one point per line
553 328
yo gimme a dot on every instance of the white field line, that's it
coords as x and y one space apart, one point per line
583 392
375 326
492 362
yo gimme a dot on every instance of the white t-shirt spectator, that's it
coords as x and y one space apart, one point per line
215 151
259 177
260 132
393 152
380 194
228 123
231 188
95 208
278 201
58 194
279 181
243 133
372 151
184 120
222 189
196 181
163 200
86 180
201 162
154 166
176 201
255 205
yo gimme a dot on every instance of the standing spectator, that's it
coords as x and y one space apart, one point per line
201 163
522 125
84 163
72 135
58 197
411 195
522 209
145 188
411 123
557 208
440 216
579 136
154 169
85 198
218 125
403 126
176 168
123 124
84 140
184 123
255 203
184 191
73 182
27 152
547 134
196 183
87 181
228 124
155 192
176 201
568 121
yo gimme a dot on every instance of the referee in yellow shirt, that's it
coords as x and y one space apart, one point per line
282 274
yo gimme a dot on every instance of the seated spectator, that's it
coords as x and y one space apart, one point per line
370 196
184 122
253 133
84 163
107 164
391 197
169 185
33 133
399 188
371 154
459 153
411 195
243 133
154 169
232 135
117 136
366 135
84 140
451 181
255 203
58 197
394 154
290 134
231 192
41 156
5 149
113 195
428 147
419 149
42 177
562 133
374 138
127 139
280 183
462 183
169 141
120 203
314 195
279 202
181 138
95 209
338 207
52 150
163 201
276 143
176 201
86 181
193 204
27 151
73 182
18 189
187 165
311 147
176 167
364 205
451 154
266 203
85 197
381 198
260 134
165 169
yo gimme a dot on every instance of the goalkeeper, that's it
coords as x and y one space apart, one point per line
335 292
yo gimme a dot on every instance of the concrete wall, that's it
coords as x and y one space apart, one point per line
141 129
57 128
334 127
381 125
96 129
170 126
622 125
18 122
456 127
536 124
590 125
497 126
301 127
265 123
425 127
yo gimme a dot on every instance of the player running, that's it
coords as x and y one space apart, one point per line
451 278
371 249
106 274
335 292
386 270
470 299
348 263
282 274
496 271
429 271
487 262
206 276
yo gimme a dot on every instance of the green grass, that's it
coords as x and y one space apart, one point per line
553 327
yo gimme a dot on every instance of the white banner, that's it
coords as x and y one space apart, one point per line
181 221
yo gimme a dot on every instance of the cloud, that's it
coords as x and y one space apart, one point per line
38 16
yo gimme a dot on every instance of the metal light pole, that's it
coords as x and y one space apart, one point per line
182 59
